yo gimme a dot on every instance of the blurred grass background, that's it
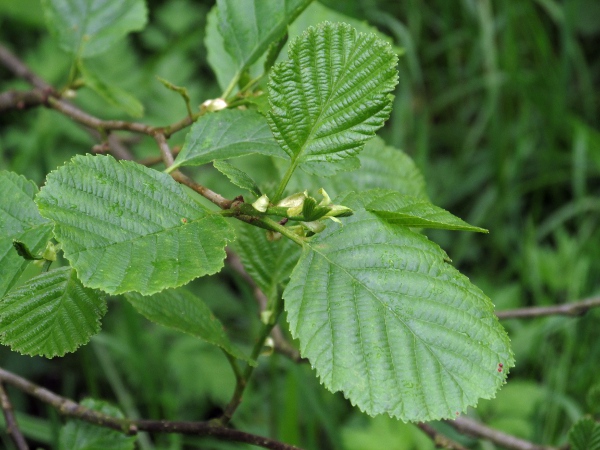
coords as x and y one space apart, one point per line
498 104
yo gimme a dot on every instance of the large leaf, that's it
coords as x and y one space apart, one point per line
250 26
125 227
19 220
52 314
268 263
585 435
221 62
79 435
331 96
88 27
384 319
183 311
381 167
409 211
227 134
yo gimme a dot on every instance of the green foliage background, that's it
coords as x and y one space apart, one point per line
499 105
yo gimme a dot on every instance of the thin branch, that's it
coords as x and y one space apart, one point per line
69 408
165 150
468 426
19 100
11 423
439 440
16 66
217 199
567 309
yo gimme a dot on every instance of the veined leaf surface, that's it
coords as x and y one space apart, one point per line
183 311
50 315
19 220
125 227
383 318
331 96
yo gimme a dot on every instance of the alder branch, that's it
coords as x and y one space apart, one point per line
11 423
439 440
165 150
468 426
19 100
567 309
69 408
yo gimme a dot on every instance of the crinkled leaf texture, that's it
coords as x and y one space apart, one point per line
585 435
331 96
238 177
50 315
19 220
89 27
227 134
125 227
247 29
409 211
79 435
183 311
383 318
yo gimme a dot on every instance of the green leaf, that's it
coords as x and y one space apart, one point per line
405 210
384 319
585 435
220 61
112 94
183 311
79 435
20 221
268 263
248 28
381 167
331 96
89 27
227 134
238 177
50 315
125 227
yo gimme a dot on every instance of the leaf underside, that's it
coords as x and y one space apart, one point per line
125 227
19 220
383 318
52 314
183 311
331 96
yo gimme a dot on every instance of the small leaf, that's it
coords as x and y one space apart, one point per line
405 210
249 27
125 227
332 95
20 221
225 135
236 176
89 27
183 311
384 319
311 211
585 435
50 315
113 95
79 435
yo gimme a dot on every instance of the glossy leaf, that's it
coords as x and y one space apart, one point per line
331 96
112 94
405 210
381 167
89 27
20 221
268 263
383 318
79 435
238 177
585 435
183 311
227 134
50 315
125 227
249 27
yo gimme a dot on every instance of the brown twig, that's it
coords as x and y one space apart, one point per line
69 408
468 426
19 100
217 199
567 309
165 150
439 440
11 423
